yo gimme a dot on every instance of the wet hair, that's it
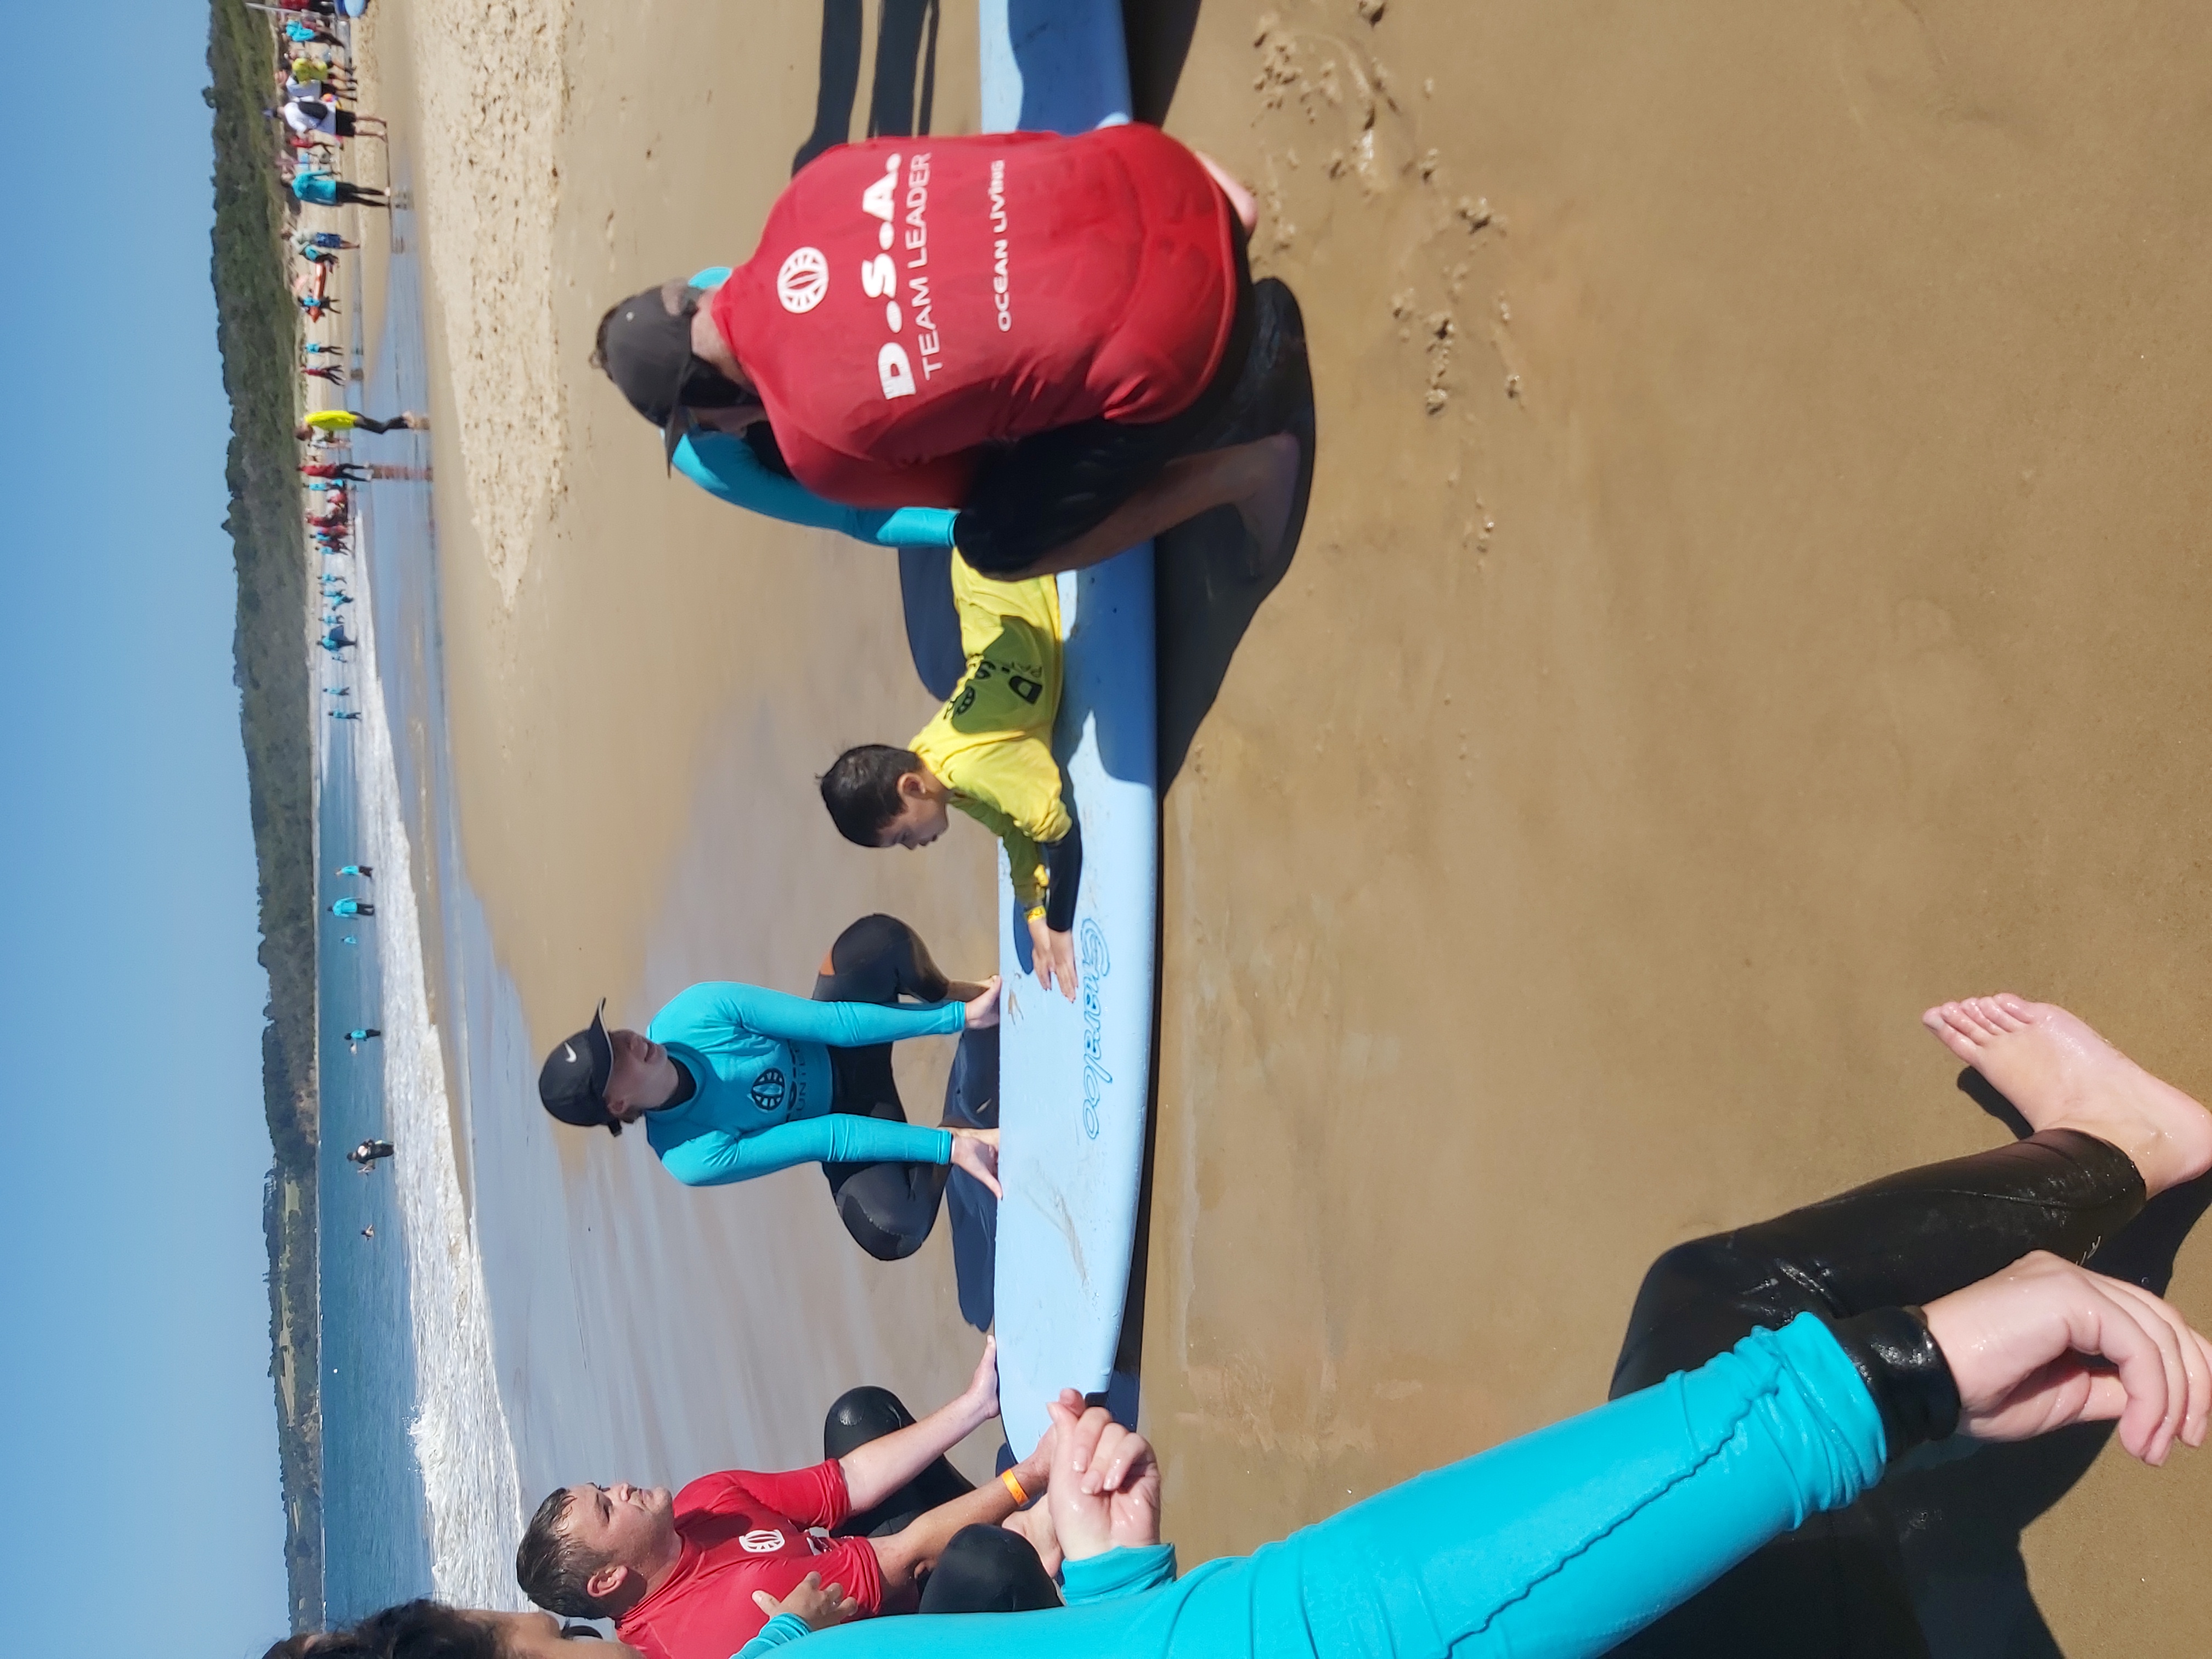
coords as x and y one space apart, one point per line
861 789
553 1569
413 1630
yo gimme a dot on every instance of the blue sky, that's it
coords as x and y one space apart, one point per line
137 1430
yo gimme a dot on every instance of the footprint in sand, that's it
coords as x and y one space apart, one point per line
1336 84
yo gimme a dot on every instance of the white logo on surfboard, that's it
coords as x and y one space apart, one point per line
804 280
764 1540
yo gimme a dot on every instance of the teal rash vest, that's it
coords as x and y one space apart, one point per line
760 1062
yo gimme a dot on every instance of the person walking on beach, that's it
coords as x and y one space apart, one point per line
326 188
307 35
346 471
307 71
306 115
328 373
367 872
1067 357
353 907
349 420
683 1575
368 1152
345 713
362 1034
732 1082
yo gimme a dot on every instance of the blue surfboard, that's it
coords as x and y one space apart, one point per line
1074 1079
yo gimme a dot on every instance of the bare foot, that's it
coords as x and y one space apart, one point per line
1035 1523
2061 1075
1267 510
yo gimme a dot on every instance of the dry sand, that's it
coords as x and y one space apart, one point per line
1753 589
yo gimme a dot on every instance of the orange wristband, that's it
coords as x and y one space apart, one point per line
1015 1488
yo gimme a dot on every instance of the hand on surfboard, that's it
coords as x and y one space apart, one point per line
977 1150
981 1395
814 1604
1105 1490
983 1007
1053 956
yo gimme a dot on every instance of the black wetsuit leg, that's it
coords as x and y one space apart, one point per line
988 1569
1835 1589
863 1415
880 959
889 1208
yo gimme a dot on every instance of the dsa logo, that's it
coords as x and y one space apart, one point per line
762 1540
804 280
768 1088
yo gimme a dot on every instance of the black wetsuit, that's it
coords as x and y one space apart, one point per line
1836 1587
982 1569
890 1207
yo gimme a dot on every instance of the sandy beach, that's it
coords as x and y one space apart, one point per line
1753 589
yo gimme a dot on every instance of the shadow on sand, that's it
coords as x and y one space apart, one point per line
1159 34
1205 593
902 100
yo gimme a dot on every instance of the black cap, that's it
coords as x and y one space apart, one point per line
646 350
573 1085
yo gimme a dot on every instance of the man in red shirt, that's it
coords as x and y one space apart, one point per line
1057 336
679 1574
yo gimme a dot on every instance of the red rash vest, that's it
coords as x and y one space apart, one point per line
744 1532
914 300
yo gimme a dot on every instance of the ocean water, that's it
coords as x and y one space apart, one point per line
376 1539
419 1471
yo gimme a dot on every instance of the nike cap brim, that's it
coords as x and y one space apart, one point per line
572 1087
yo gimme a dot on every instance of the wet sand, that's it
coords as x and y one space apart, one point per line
1753 589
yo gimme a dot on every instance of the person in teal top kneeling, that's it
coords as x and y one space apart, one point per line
732 1081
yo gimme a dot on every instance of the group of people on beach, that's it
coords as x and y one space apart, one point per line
1038 351
311 91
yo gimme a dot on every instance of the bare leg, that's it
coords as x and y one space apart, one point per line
2061 1075
1259 479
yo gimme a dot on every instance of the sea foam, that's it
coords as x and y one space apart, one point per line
460 1427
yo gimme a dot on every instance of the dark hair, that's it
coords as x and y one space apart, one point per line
553 1569
413 1630
861 789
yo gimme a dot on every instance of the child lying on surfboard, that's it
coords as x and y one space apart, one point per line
989 753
